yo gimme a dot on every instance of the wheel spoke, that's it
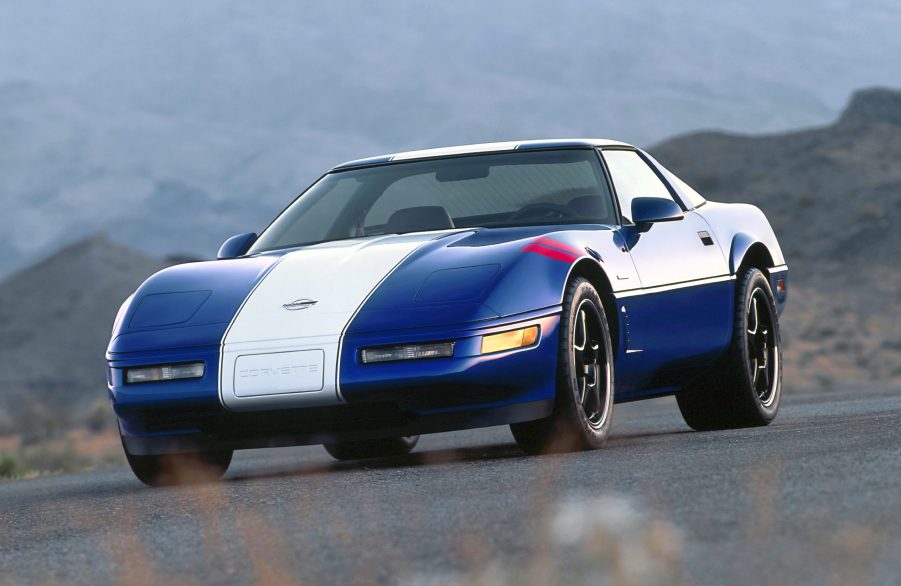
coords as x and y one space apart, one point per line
761 326
764 353
590 376
753 314
581 328
586 389
765 378
591 399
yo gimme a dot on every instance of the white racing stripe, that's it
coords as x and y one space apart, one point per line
339 277
672 287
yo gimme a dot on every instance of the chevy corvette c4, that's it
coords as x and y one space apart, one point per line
530 284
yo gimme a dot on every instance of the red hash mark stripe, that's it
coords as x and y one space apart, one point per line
559 246
550 252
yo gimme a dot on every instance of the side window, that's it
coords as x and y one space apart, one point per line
632 178
693 198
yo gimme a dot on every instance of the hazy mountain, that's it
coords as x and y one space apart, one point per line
833 195
171 125
55 321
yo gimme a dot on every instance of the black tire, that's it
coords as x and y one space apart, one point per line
582 412
745 388
379 448
174 469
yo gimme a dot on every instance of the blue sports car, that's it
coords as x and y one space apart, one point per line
531 284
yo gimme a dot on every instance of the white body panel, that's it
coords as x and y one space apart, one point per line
266 337
275 374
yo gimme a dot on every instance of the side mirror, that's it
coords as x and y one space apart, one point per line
649 210
236 245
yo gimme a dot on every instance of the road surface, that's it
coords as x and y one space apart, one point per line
814 498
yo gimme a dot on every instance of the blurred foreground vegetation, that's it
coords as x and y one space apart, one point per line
55 442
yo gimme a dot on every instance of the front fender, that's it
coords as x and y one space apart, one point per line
185 305
486 274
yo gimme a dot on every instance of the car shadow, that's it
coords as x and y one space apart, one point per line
626 438
416 459
488 452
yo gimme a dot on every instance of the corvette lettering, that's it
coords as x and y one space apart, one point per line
299 304
280 371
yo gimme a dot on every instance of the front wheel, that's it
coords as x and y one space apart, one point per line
745 389
173 469
583 404
379 448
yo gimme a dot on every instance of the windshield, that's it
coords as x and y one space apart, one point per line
509 189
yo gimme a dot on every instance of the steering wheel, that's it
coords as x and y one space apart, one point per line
543 211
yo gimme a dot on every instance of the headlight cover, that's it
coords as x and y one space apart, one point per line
158 310
457 285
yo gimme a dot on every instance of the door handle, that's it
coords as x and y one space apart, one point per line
705 238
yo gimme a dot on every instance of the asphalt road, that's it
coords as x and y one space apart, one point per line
814 498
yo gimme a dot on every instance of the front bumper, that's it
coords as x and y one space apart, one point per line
217 429
376 400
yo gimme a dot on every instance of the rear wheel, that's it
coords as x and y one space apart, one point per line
583 405
380 448
745 389
173 469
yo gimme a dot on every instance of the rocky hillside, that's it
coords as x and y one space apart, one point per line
174 125
833 195
55 320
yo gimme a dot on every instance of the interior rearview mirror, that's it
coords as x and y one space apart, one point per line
462 172
236 245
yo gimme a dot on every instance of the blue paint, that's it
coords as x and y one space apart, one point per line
672 332
173 294
422 292
459 287
468 380
236 246
167 309
130 402
183 331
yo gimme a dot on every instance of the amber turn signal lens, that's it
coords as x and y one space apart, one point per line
509 340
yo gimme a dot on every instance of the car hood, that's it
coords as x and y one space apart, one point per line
373 284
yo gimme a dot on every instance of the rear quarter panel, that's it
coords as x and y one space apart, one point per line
737 226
